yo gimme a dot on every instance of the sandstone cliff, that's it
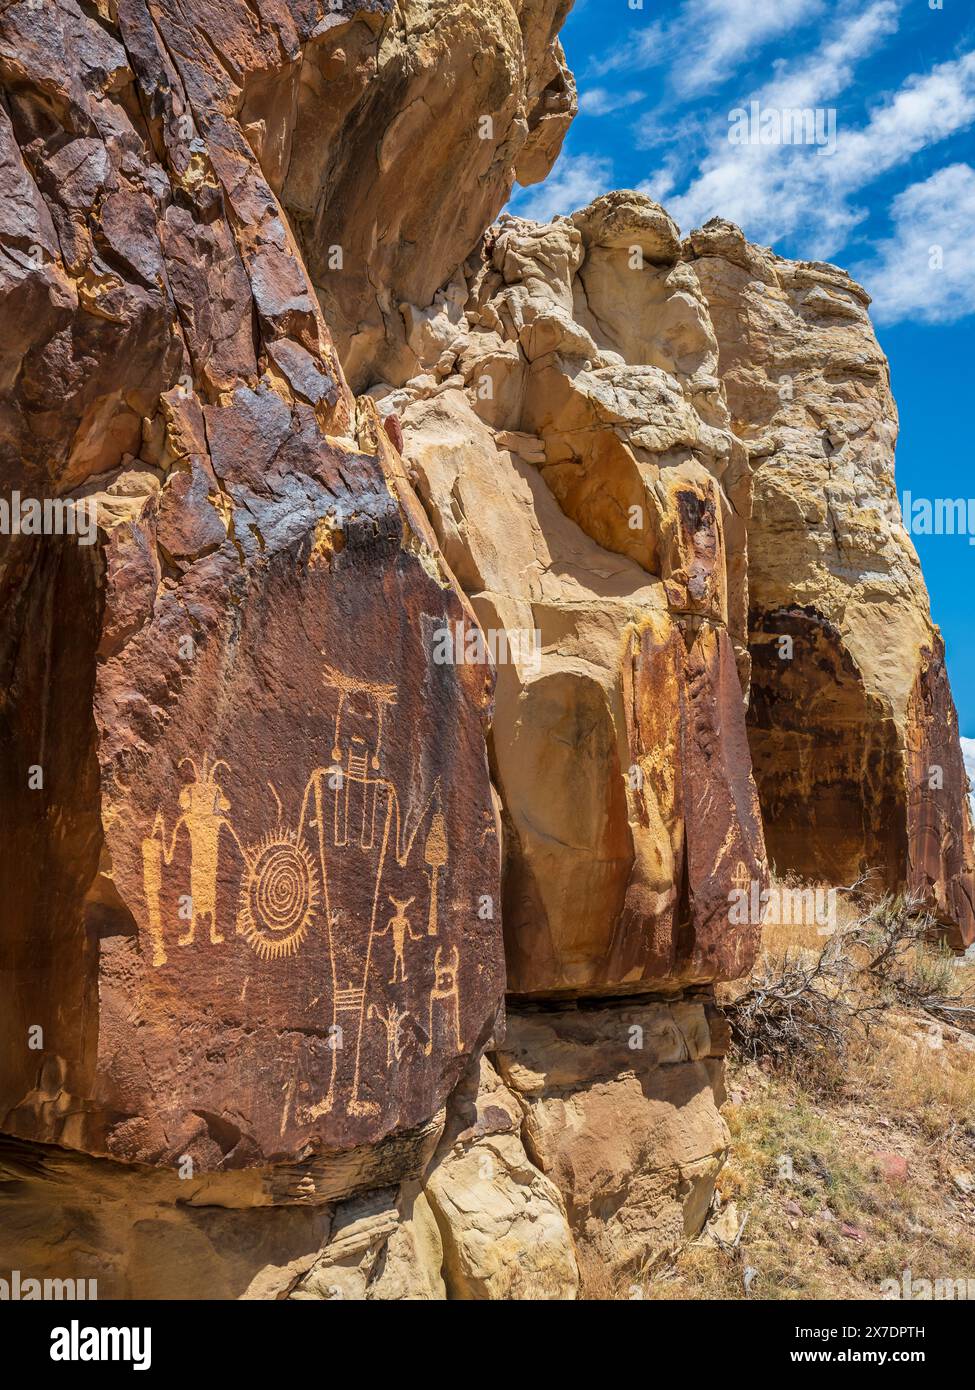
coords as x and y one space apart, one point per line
851 724
269 862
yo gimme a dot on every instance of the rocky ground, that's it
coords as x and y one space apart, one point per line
840 1180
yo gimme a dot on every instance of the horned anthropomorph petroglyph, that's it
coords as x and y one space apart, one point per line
203 807
399 925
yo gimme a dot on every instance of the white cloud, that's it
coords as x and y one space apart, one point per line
826 72
707 38
727 30
598 101
648 50
774 191
574 182
659 187
926 270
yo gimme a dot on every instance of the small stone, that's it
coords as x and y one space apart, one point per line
394 430
893 1168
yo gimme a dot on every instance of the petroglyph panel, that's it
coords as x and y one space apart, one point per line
306 849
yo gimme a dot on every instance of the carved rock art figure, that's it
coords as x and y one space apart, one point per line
392 1021
296 878
280 895
399 925
203 805
446 992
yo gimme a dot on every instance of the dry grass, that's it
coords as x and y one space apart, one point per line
828 1223
919 1072
813 1153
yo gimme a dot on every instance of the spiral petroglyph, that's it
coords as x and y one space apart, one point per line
279 895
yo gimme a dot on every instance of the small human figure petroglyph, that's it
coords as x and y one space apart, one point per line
399 925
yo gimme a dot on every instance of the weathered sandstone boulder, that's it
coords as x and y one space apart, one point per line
383 1246
851 721
502 1221
621 1112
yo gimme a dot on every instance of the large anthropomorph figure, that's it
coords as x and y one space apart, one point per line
352 812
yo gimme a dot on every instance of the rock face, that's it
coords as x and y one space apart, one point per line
570 441
378 627
137 1233
503 1221
444 102
245 791
621 1112
146 161
383 1246
288 947
851 721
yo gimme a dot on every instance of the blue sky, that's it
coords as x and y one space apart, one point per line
657 83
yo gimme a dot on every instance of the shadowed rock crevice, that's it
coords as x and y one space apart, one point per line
826 761
51 835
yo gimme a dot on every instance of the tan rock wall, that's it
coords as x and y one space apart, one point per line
621 1112
568 437
853 730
